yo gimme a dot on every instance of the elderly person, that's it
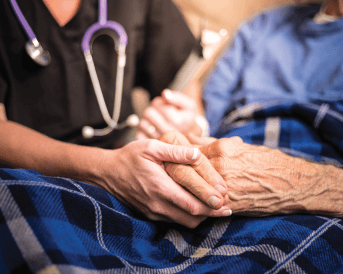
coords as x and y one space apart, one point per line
279 85
60 225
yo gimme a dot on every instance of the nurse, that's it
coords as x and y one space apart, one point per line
45 108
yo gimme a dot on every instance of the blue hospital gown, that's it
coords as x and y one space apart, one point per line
283 72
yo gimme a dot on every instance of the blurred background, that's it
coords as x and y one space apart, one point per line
225 14
214 23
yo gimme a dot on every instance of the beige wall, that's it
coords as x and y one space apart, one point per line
225 14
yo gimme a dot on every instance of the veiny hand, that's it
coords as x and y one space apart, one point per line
199 178
263 181
171 111
135 174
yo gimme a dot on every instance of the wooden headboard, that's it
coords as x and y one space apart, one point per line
227 14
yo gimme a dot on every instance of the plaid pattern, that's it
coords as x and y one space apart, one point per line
312 131
57 225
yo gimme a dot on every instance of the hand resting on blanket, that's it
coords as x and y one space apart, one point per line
142 183
263 181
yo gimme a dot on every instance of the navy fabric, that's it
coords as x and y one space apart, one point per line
57 225
310 131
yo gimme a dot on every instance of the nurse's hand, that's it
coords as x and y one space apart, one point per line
136 175
172 111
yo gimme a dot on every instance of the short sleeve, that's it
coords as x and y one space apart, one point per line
168 44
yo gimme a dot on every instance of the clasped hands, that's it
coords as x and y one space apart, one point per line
230 175
259 181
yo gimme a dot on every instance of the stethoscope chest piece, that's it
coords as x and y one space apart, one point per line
43 58
38 54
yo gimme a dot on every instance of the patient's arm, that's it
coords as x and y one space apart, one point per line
263 181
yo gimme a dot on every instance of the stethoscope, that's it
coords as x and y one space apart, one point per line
42 58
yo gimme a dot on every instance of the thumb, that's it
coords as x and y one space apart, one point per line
201 141
178 99
175 153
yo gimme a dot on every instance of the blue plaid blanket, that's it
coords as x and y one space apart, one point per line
313 131
58 225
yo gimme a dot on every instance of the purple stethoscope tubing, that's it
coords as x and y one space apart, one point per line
23 21
35 48
101 24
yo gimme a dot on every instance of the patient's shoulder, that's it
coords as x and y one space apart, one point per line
268 20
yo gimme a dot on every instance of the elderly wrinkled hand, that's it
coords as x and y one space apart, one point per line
263 181
135 174
171 111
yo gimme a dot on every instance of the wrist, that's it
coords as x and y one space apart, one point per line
326 196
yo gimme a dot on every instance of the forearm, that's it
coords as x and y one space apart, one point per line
21 147
326 197
263 181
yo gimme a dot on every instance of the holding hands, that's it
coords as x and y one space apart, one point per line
261 181
140 181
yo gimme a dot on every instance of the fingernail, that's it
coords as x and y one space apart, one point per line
192 153
227 213
213 201
220 188
168 94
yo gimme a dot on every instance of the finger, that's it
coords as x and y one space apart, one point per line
175 138
162 152
140 135
149 129
186 176
165 109
172 213
155 118
193 206
178 99
201 179
197 140
183 207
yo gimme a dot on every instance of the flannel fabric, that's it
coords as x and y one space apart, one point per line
310 131
57 225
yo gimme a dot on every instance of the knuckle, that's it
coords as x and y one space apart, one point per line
181 173
155 208
148 112
222 144
170 137
237 139
193 209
